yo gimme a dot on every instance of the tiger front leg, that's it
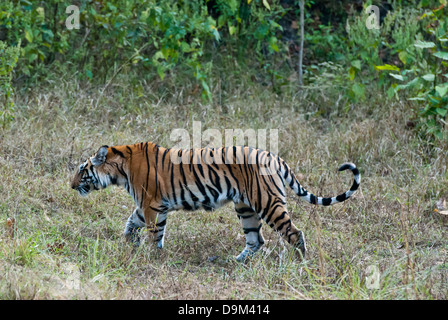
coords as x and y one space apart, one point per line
135 222
156 224
251 223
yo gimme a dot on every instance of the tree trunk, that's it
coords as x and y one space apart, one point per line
302 35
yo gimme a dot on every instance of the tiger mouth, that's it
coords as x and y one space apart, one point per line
83 190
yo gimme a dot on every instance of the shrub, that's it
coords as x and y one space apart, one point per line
148 34
425 71
8 61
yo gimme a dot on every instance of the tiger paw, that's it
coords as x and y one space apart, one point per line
245 254
131 235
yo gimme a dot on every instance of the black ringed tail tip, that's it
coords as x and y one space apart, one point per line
352 167
347 165
311 198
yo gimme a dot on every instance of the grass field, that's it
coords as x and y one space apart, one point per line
68 247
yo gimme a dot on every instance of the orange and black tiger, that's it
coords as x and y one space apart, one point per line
161 180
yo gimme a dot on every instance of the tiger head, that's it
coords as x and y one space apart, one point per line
91 175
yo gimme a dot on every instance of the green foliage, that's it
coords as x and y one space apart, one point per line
359 53
24 252
29 23
8 61
141 35
369 48
326 43
248 40
425 72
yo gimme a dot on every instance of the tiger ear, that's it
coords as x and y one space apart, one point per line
100 157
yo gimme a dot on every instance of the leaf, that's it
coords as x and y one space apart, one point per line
441 54
221 20
390 92
161 72
29 35
215 33
232 29
442 89
89 74
266 4
206 92
441 204
434 100
273 43
294 25
356 64
158 55
429 77
411 83
358 89
10 224
352 73
424 44
387 67
441 207
397 76
26 71
403 56
41 12
441 111
32 57
439 135
185 47
136 59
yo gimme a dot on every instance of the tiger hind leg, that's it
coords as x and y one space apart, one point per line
135 222
278 219
251 223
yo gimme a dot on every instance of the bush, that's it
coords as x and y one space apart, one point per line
371 48
424 73
8 61
147 34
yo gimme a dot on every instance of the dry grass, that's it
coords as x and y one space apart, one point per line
389 223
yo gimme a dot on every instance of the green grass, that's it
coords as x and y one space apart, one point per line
70 247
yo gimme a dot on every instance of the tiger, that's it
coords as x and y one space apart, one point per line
161 180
